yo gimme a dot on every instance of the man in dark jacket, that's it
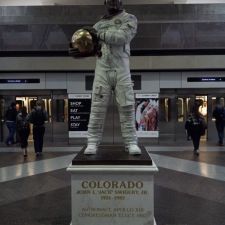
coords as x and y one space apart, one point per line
196 125
10 119
219 115
38 117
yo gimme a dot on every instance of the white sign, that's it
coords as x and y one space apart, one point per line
79 107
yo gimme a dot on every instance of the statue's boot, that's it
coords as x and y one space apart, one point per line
133 149
91 149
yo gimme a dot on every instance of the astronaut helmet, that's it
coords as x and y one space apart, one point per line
113 6
83 41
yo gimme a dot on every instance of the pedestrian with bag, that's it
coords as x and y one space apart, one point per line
197 126
38 117
23 128
10 119
187 128
219 115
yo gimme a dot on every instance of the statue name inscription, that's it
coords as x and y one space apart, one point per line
112 198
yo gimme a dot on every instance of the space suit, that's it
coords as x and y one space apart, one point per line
112 74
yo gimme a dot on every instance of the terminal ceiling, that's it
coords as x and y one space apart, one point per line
161 26
99 2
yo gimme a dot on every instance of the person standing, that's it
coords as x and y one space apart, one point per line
23 128
38 117
10 118
197 126
219 115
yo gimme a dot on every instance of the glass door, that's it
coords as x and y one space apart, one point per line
203 109
167 116
184 104
55 103
48 126
212 132
184 108
59 116
30 102
5 102
2 113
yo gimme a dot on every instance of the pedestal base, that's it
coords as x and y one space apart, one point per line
112 188
112 155
154 223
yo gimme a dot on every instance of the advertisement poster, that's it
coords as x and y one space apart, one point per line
146 115
79 107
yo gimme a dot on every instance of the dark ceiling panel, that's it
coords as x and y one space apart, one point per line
161 27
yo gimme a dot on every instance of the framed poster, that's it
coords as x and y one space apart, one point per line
79 106
147 114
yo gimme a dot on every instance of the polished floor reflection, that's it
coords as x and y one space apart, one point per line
196 168
34 168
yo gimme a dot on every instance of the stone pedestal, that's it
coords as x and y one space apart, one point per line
112 188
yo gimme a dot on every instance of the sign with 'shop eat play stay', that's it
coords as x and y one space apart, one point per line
79 107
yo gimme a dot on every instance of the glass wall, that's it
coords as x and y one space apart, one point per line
55 103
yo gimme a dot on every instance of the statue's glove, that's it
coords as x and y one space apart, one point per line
96 41
74 52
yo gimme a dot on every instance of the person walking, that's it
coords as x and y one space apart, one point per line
219 115
187 128
196 126
38 117
23 128
10 118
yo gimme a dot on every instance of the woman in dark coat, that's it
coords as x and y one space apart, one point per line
197 126
23 128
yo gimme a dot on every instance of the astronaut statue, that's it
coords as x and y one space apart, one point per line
112 73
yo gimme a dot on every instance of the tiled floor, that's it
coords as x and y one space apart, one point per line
189 190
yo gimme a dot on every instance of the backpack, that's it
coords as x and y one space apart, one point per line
197 125
23 122
38 117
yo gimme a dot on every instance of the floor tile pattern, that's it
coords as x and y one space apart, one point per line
188 190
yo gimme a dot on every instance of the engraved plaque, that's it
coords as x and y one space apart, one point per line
113 194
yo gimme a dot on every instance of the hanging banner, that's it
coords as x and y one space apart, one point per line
147 114
79 106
